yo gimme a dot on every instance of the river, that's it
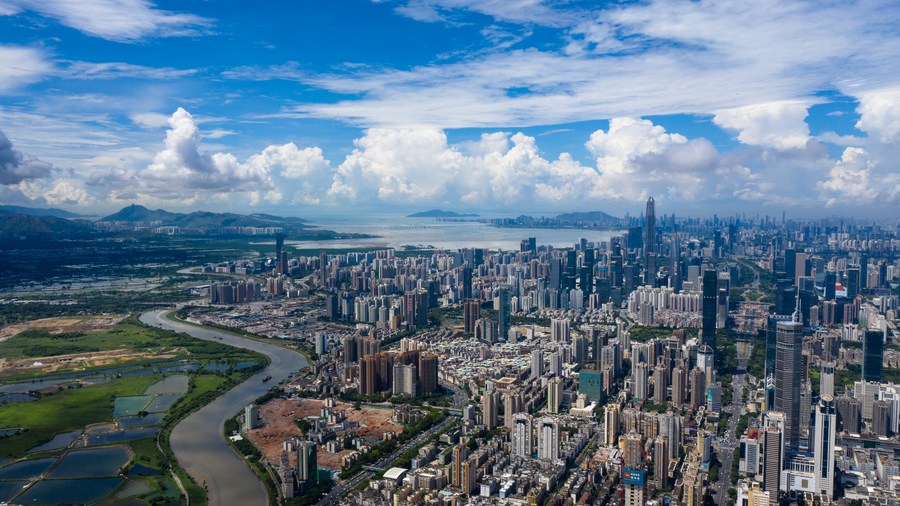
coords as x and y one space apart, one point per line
198 442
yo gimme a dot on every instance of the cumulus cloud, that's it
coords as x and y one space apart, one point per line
62 191
16 167
636 157
848 179
879 114
182 167
779 125
116 20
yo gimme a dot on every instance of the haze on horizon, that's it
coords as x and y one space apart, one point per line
493 107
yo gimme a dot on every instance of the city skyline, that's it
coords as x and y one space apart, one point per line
473 106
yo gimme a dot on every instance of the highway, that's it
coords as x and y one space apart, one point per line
726 444
198 442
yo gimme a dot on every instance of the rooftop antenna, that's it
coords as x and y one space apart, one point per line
797 316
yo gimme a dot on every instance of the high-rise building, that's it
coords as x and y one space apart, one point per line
611 423
459 458
321 343
698 387
554 395
881 418
639 381
503 312
548 439
521 435
511 406
471 315
826 379
428 373
848 414
873 355
660 382
468 476
650 238
710 290
537 363
661 462
823 453
404 380
489 406
773 451
307 463
633 470
788 351
560 330
466 282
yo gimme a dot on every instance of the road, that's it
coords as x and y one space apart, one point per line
459 400
726 444
336 493
198 442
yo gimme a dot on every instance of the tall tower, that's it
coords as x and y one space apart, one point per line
650 244
823 453
788 349
650 230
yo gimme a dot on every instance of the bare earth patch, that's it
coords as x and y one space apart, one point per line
280 415
77 361
62 324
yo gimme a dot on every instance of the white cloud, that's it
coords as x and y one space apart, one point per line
637 158
150 120
16 167
632 59
879 113
848 180
183 168
21 66
779 125
61 191
513 11
116 20
117 70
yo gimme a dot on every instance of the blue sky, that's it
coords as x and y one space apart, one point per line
491 106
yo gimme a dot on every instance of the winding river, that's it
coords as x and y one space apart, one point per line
198 442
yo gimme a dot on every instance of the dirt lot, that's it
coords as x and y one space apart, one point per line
62 324
76 361
279 416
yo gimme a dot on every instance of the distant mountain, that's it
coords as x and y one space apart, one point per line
201 219
589 217
25 225
438 213
34 211
139 214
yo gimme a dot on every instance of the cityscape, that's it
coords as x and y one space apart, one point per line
447 253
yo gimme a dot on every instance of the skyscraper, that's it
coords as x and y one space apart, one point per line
826 379
661 461
873 355
306 461
503 312
788 349
650 230
823 452
710 290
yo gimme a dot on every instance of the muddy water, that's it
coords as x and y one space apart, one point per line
197 441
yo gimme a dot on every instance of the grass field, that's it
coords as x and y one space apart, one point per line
65 411
145 343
